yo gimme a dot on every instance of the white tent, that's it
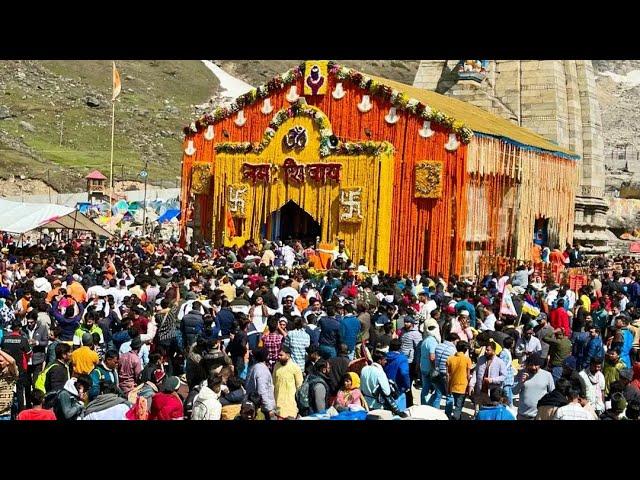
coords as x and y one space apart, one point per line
16 217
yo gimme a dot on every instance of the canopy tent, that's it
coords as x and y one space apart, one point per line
16 217
169 215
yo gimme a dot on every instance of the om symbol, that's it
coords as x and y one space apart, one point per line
295 138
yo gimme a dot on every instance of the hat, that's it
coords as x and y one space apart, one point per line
618 402
136 343
570 362
170 384
626 373
463 313
77 277
87 339
39 284
409 319
158 376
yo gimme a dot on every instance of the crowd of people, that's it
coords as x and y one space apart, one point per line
134 329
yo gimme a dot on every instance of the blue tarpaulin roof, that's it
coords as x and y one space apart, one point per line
168 215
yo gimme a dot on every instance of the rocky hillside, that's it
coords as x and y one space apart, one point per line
55 116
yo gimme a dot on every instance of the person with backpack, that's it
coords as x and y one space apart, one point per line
106 372
37 335
68 403
206 404
56 375
313 395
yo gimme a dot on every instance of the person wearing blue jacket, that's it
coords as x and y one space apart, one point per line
497 408
349 329
397 366
595 349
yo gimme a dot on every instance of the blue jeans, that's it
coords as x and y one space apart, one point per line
427 386
458 403
440 391
508 392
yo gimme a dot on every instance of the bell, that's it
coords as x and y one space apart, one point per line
338 92
190 150
365 104
453 143
392 117
240 120
293 96
208 135
425 131
267 108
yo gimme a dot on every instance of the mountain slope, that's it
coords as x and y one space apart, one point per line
55 116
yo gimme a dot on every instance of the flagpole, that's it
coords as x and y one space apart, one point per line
113 125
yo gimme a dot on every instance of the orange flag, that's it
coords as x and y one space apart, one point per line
117 86
231 227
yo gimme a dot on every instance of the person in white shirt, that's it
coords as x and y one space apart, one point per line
287 291
427 305
594 381
489 322
574 410
206 404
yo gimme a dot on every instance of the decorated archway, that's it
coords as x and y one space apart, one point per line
291 222
344 187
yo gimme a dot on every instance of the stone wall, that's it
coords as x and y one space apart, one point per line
554 98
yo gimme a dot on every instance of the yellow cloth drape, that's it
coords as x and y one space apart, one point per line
368 239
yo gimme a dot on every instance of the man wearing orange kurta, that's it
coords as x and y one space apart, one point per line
557 263
76 290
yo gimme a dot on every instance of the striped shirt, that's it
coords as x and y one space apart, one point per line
298 341
409 341
443 351
572 411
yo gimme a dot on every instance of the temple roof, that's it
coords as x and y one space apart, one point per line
479 120
95 175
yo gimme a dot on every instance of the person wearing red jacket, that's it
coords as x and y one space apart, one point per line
560 318
167 405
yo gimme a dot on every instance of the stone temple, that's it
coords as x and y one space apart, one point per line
554 98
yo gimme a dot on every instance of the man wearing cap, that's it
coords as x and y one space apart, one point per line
167 404
532 384
84 359
287 379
